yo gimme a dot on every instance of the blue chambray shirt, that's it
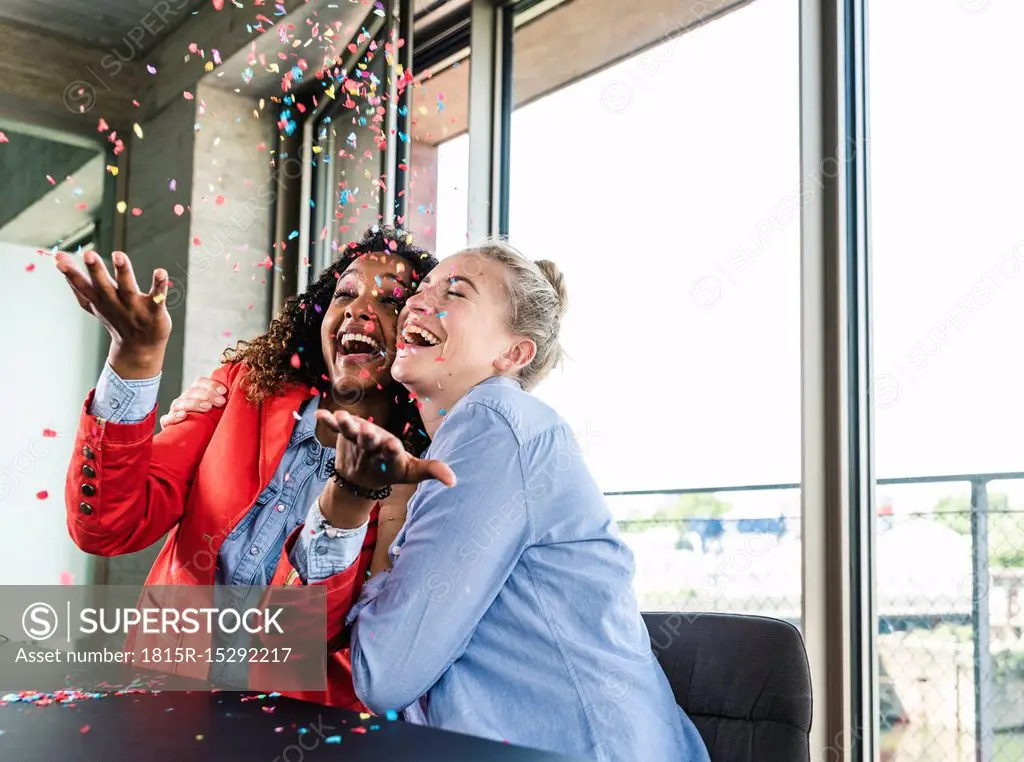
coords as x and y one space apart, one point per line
509 612
250 553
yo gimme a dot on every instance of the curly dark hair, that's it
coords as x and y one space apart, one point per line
296 333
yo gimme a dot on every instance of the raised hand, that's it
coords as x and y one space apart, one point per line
138 323
370 457
204 395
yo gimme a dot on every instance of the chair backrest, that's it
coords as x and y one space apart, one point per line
743 680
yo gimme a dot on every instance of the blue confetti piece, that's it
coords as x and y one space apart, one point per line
275 694
297 73
391 714
376 279
442 411
442 313
293 235
403 137
333 739
303 731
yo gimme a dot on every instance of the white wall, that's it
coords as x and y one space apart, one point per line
50 350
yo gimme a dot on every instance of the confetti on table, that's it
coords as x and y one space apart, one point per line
84 729
296 362
359 730
150 68
179 209
365 715
172 186
42 495
4 138
121 207
66 578
268 709
391 714
30 267
200 737
138 129
219 201
332 739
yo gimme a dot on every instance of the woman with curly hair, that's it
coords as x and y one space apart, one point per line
232 488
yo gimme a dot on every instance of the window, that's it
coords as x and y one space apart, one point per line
665 187
947 250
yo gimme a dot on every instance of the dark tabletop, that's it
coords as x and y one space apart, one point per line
173 726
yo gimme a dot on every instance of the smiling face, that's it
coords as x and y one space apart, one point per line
453 332
360 326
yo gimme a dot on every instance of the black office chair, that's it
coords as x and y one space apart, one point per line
743 680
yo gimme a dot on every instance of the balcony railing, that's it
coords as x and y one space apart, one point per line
949 597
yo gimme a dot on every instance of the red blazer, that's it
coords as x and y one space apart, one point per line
194 481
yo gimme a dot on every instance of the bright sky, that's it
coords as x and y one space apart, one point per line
650 182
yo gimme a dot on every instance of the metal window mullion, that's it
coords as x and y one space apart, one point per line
836 454
488 107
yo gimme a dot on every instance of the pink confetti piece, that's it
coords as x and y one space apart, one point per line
67 578
49 433
84 729
150 68
136 212
51 180
296 362
42 495
219 201
4 138
188 95
102 126
179 209
218 5
30 267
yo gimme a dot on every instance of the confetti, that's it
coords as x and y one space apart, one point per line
30 267
218 5
150 68
4 138
296 362
268 709
84 729
391 714
121 207
42 495
138 129
332 739
66 578
200 737
49 433
219 201
179 209
136 212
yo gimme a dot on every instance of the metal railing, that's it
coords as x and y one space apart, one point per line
752 564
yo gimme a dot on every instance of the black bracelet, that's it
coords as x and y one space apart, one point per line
355 489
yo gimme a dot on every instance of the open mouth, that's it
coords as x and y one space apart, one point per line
355 348
417 336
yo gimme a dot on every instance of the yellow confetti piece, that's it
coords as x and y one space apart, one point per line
159 298
329 92
112 170
200 737
121 207
209 66
365 715
317 149
138 130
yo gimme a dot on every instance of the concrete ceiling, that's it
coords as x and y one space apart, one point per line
130 27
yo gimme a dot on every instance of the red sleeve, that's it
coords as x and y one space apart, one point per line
127 488
342 588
